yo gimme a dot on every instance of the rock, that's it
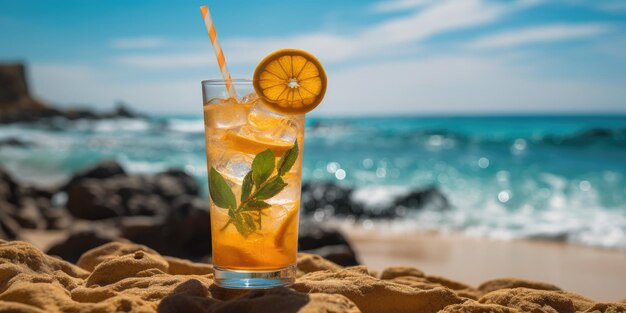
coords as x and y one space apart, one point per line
102 170
126 277
29 215
506 283
9 228
328 199
185 232
122 110
400 271
308 263
14 94
90 259
173 183
80 242
340 254
313 236
430 198
374 295
532 300
281 300
90 199
461 289
15 143
185 267
474 307
9 188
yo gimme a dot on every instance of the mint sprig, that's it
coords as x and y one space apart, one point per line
258 185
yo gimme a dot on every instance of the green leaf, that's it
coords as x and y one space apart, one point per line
255 205
262 167
270 189
242 225
220 193
249 221
288 159
246 187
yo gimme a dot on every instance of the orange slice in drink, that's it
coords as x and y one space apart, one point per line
290 81
254 145
287 226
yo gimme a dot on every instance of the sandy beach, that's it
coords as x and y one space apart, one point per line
595 272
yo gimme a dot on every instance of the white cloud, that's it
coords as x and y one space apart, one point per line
539 34
386 38
398 5
138 43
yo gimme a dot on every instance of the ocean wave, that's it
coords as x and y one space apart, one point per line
186 126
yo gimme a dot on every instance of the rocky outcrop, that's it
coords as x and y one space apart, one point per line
125 277
17 104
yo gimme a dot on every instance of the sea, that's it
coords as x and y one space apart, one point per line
552 177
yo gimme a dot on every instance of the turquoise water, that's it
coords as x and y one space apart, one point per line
506 176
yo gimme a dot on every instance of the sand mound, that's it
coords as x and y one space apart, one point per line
126 277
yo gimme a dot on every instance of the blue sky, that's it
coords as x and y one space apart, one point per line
382 57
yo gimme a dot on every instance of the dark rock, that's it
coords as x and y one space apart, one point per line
14 142
80 242
15 97
9 228
29 215
150 205
122 111
102 170
56 218
174 183
185 232
330 198
430 198
314 237
334 200
91 200
340 254
9 188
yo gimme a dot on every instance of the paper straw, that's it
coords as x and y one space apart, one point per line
221 60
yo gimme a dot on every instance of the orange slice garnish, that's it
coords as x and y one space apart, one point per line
290 81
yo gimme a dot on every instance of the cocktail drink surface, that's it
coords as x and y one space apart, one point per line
254 159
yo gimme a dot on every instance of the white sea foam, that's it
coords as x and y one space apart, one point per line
186 126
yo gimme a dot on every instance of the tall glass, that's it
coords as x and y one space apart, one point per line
254 159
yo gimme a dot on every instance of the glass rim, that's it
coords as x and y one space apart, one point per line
235 81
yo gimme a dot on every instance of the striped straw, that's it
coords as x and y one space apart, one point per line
221 60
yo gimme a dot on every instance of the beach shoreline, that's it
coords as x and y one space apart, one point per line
591 271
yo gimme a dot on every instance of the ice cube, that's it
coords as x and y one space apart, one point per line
251 97
287 131
234 166
290 194
225 115
263 118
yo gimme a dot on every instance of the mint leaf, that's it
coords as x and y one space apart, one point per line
270 189
262 167
219 191
246 187
242 225
288 159
255 205
249 221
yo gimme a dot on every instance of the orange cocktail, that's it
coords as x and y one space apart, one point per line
254 133
259 231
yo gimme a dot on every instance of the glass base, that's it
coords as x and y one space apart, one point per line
239 279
